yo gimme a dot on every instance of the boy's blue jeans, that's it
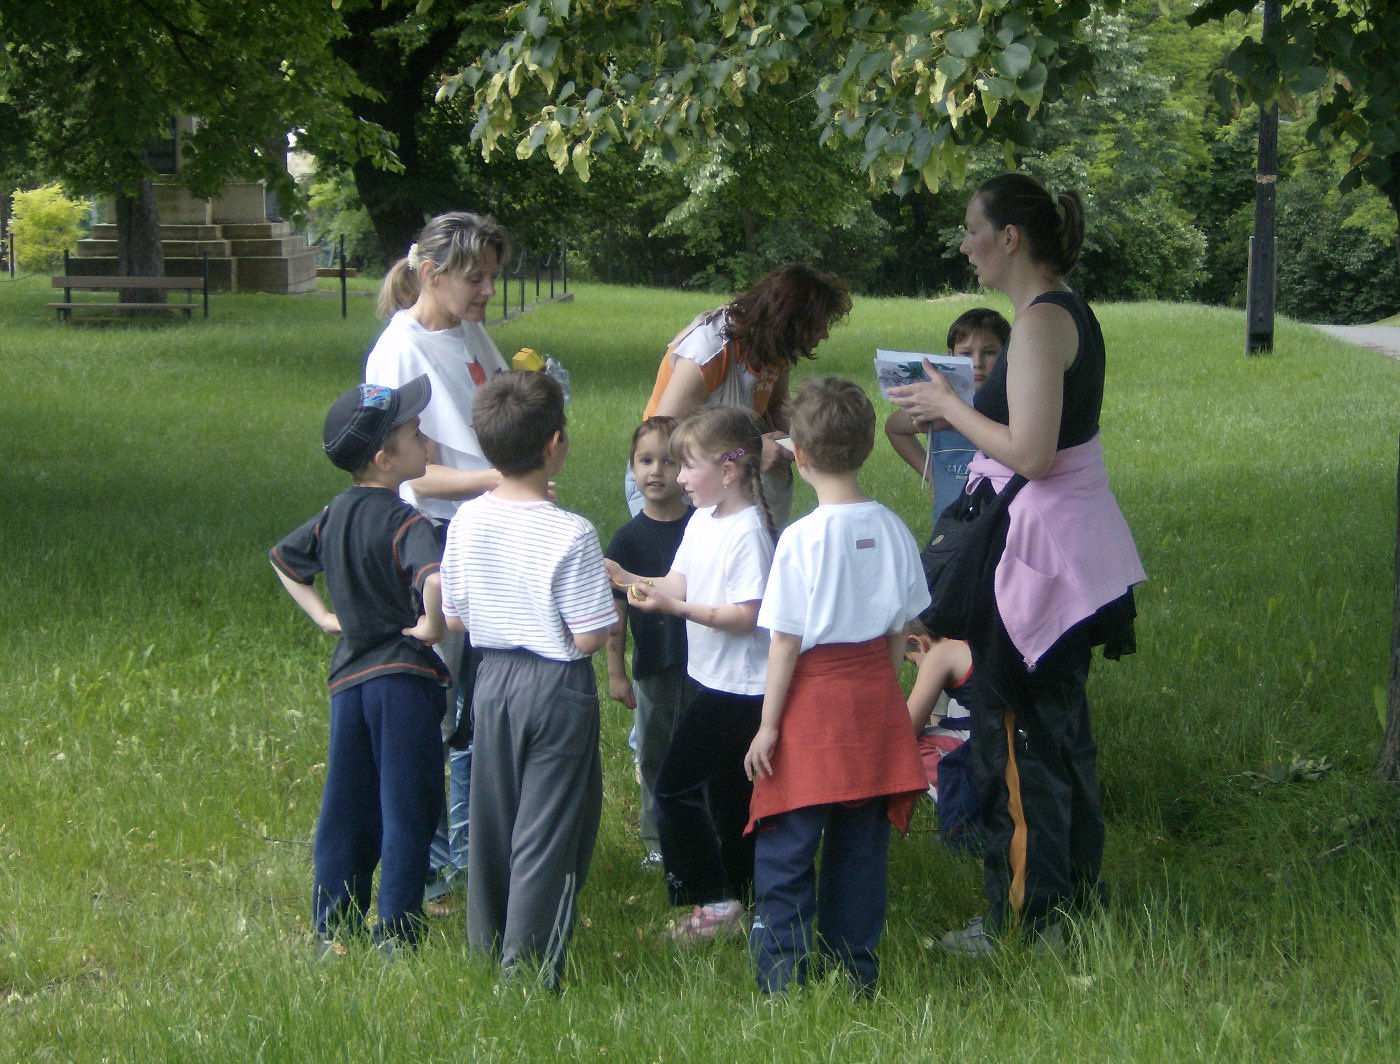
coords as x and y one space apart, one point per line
381 804
846 901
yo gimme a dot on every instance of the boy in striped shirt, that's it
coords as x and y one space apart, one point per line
526 579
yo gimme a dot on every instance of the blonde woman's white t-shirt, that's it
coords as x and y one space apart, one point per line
406 350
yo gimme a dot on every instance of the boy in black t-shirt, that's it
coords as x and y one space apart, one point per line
383 792
646 546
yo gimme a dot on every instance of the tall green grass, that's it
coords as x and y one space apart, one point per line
162 746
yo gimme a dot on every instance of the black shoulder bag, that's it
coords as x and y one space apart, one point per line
961 557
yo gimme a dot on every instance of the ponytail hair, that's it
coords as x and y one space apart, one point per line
1053 226
728 434
455 242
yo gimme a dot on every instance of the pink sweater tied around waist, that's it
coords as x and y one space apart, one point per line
1068 549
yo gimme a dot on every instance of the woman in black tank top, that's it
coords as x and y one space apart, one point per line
1033 751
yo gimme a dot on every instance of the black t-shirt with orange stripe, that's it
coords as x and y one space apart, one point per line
376 552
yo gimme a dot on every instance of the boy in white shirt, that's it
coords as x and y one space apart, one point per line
526 578
834 762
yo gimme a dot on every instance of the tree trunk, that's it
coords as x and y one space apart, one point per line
139 253
1391 190
1388 767
396 221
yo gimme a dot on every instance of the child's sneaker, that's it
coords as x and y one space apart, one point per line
974 940
722 919
970 941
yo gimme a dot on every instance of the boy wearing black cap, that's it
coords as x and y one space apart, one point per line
383 792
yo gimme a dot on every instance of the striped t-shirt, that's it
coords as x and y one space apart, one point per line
525 575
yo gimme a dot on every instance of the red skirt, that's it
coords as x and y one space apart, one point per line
844 738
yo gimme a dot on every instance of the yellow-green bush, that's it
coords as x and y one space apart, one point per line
45 224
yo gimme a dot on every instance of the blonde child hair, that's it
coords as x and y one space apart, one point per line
728 434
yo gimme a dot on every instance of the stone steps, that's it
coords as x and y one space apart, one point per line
243 256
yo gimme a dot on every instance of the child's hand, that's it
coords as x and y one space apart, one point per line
758 761
427 631
645 597
620 690
917 648
617 574
330 624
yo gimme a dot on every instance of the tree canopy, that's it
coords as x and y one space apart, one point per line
102 80
912 85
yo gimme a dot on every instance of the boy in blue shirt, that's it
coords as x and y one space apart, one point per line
980 334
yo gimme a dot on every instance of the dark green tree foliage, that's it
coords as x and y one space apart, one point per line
100 81
1122 145
775 196
1329 271
912 86
398 49
1342 54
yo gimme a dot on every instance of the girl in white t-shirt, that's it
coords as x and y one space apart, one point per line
716 585
438 295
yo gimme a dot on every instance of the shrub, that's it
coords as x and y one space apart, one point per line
1139 247
46 224
335 212
1331 266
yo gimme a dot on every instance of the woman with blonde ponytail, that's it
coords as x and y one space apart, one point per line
436 298
1064 581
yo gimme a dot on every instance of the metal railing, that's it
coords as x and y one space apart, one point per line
529 263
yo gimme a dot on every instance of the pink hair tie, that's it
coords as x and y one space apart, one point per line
733 456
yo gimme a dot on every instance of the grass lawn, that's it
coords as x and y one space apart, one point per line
164 719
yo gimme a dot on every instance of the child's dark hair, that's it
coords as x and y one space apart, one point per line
833 421
662 424
978 319
728 434
515 414
782 317
1053 226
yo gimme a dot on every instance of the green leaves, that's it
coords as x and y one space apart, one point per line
913 87
1342 59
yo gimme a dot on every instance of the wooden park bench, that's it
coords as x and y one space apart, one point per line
188 285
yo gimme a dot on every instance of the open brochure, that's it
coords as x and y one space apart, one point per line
893 368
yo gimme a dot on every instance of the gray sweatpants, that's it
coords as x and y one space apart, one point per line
536 800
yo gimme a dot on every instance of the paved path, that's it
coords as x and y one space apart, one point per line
1383 338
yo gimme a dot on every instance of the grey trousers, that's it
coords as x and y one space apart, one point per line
536 800
661 700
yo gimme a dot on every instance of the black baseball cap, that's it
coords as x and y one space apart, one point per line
359 422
